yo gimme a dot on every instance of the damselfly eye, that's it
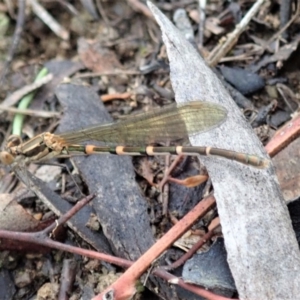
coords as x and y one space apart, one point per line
13 140
6 158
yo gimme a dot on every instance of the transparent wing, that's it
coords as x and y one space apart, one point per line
160 125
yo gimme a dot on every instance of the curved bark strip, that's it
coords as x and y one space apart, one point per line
263 253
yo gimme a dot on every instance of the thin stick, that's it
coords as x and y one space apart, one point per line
30 112
44 15
13 98
232 38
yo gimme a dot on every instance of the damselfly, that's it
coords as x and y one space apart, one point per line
161 125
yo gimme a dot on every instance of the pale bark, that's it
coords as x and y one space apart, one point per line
263 253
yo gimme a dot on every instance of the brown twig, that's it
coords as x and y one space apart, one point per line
190 253
42 238
68 274
124 287
169 170
110 97
191 181
190 287
164 190
284 136
232 38
68 215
